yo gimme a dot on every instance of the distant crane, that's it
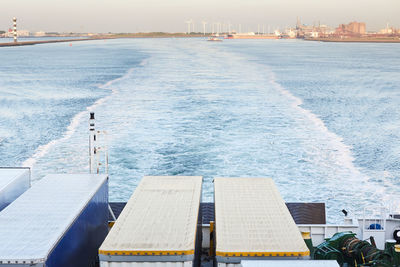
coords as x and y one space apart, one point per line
204 27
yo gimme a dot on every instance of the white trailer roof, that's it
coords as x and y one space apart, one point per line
251 219
34 223
159 219
290 263
8 175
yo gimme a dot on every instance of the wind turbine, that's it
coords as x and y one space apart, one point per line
188 22
204 27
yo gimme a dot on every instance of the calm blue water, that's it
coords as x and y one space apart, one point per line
321 119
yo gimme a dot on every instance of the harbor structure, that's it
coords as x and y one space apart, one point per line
353 28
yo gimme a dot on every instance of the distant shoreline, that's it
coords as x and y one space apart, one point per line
355 40
100 37
10 44
197 35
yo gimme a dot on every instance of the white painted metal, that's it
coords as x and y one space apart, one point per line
321 231
161 215
372 216
146 264
291 263
251 216
206 236
390 225
221 264
32 225
13 182
98 148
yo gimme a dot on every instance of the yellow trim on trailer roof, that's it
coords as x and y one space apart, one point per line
263 254
146 252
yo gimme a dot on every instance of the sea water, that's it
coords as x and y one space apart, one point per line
321 119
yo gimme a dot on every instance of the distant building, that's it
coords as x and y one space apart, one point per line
312 34
40 34
312 31
291 33
20 33
353 28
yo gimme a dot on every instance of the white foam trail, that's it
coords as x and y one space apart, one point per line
347 158
44 149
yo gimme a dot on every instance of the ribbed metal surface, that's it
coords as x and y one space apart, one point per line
307 213
207 209
117 208
302 213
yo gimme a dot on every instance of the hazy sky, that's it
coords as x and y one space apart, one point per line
170 15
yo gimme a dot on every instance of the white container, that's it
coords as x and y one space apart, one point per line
59 222
13 182
252 221
158 226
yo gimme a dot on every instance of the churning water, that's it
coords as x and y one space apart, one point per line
321 119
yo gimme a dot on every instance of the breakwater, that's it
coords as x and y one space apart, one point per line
50 41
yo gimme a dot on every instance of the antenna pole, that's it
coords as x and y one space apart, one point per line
92 140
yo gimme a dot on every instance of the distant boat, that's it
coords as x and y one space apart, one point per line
252 36
214 39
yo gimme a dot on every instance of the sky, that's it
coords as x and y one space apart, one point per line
170 15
